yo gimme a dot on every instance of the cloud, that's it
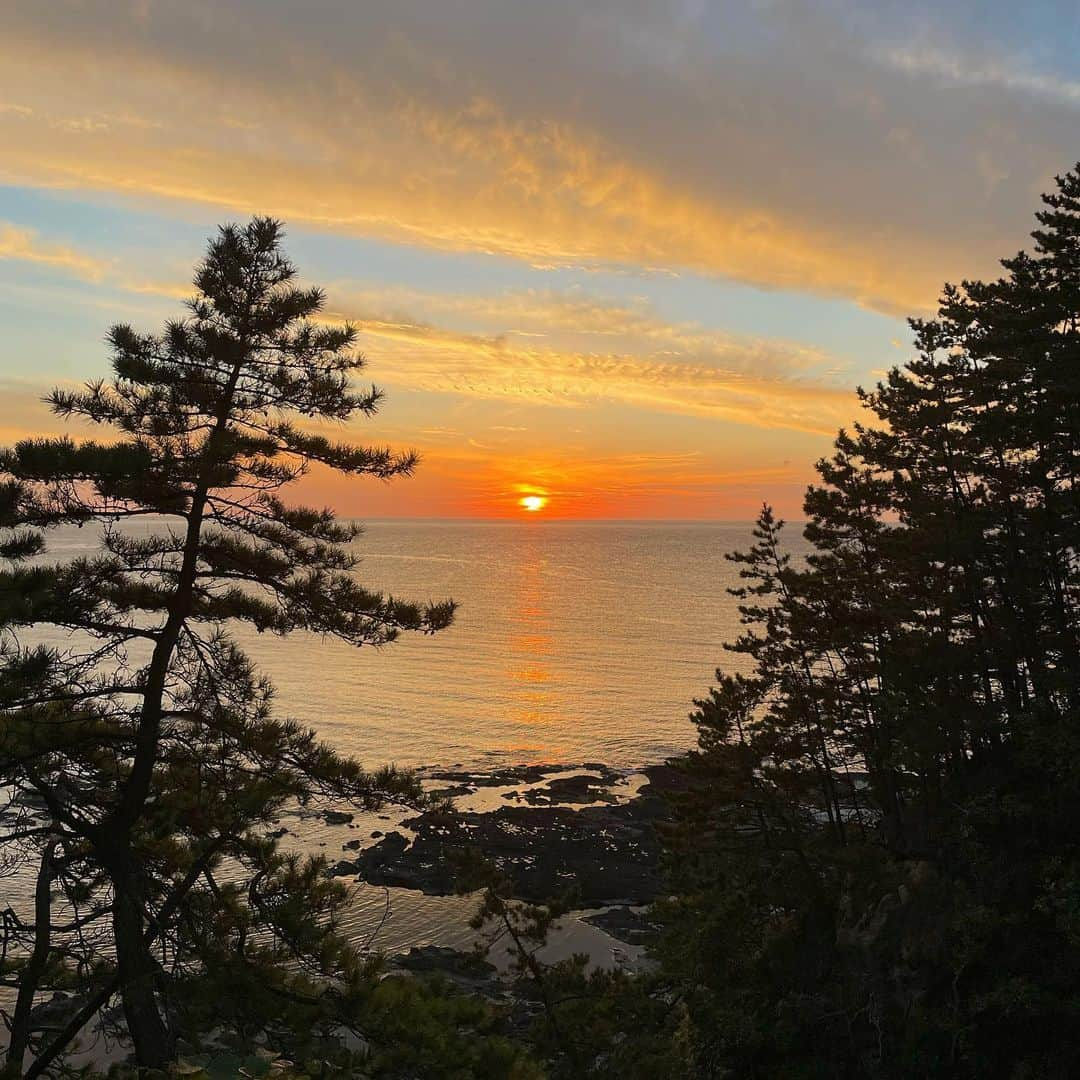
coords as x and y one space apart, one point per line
589 351
458 479
24 245
778 145
1004 73
593 351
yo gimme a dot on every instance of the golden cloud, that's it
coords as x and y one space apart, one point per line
25 245
462 479
552 348
436 142
647 363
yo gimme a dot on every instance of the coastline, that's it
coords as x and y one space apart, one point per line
547 826
587 829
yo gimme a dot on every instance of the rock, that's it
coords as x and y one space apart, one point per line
466 969
373 860
337 817
344 868
513 774
55 1012
443 958
664 780
623 923
570 789
605 854
454 791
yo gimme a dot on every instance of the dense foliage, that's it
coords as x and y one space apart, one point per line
878 867
875 866
141 762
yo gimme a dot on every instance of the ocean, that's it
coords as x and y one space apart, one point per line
574 641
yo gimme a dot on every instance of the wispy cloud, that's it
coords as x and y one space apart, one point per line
424 357
656 137
595 351
591 351
458 478
1001 72
25 245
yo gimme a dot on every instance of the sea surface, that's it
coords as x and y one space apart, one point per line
583 641
574 643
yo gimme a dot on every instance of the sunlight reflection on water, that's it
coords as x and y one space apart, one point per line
574 642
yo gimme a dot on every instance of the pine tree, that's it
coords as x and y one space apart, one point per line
877 869
150 741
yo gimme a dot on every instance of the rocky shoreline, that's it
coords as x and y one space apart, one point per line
557 834
588 830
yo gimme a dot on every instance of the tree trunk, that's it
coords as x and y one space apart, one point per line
35 967
138 971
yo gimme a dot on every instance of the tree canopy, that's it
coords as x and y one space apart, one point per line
874 868
140 757
881 872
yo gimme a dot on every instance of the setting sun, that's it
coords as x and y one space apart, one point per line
532 503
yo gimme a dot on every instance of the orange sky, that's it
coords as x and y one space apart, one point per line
633 258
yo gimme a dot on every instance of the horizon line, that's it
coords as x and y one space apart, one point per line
536 519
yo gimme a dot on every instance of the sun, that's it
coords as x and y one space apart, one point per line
532 503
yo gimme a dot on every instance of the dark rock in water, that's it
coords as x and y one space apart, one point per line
605 854
391 846
454 791
387 850
352 845
664 780
514 774
468 970
55 1012
570 789
337 817
277 834
623 923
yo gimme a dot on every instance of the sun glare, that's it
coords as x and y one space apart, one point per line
532 503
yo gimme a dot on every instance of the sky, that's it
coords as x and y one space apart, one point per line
631 256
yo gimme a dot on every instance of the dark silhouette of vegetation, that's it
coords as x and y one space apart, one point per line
579 1023
524 927
885 875
875 871
141 763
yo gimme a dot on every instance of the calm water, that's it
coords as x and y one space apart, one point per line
574 642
